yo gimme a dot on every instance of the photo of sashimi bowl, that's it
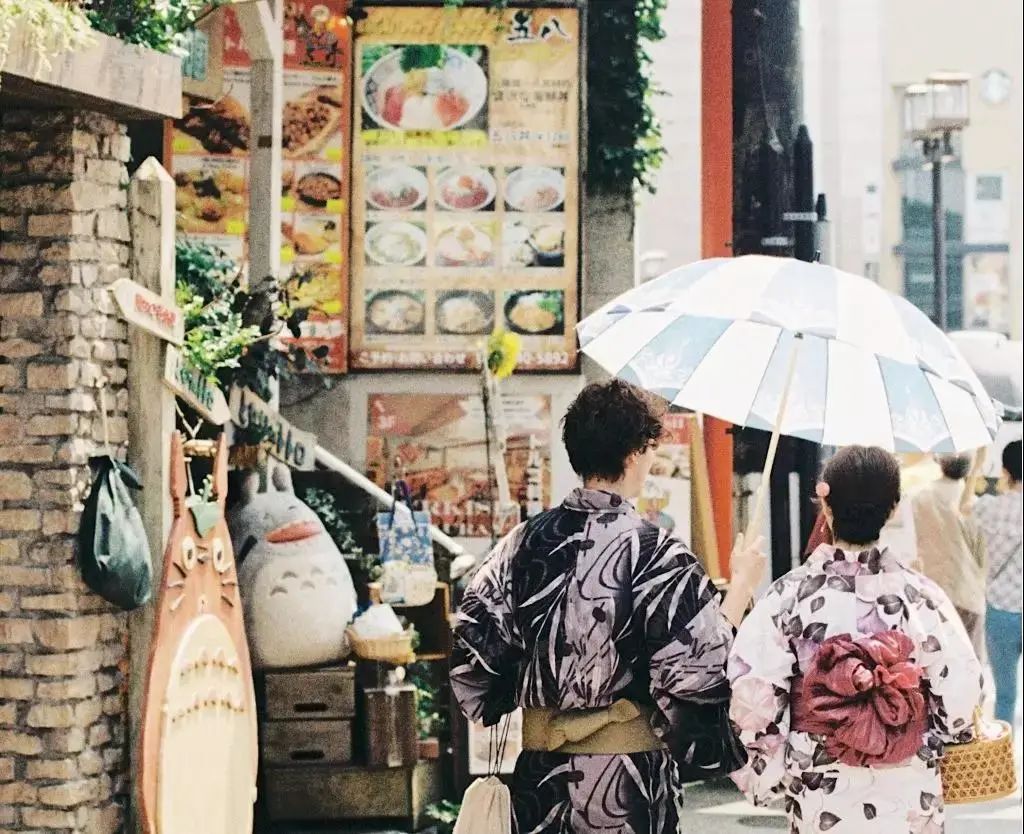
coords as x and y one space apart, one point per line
535 189
396 243
465 244
535 312
423 86
396 188
466 188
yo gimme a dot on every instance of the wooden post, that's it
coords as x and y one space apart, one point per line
261 28
150 415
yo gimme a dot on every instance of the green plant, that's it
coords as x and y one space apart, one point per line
325 505
429 717
159 24
624 141
444 813
207 290
52 28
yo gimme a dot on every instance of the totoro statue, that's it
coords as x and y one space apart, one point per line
296 590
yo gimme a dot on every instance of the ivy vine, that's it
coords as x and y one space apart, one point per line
50 28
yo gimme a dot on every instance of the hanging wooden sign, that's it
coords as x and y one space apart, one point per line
144 308
195 389
202 67
295 447
199 746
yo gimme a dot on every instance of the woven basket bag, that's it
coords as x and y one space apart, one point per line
981 770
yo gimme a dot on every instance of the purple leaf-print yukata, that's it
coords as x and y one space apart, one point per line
856 594
577 608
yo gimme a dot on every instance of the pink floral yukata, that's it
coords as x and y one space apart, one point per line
845 598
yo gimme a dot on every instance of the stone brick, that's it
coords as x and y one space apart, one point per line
20 305
70 740
91 763
6 770
99 735
19 521
19 348
67 690
64 665
60 521
106 171
11 429
55 477
48 818
51 716
10 376
7 602
17 689
113 224
21 744
10 551
8 816
18 252
15 631
18 793
51 602
64 633
89 196
39 769
11 662
44 425
69 250
69 794
55 275
26 454
22 577
8 714
59 225
52 377
15 486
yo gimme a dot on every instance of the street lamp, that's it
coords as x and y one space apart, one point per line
932 111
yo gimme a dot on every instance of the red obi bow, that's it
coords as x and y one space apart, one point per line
864 695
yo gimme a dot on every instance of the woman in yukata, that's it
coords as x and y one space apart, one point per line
852 672
607 631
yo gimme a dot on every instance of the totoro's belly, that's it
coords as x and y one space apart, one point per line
296 608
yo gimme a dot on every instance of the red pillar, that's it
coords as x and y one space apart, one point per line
716 226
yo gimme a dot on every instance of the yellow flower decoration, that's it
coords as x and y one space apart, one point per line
503 353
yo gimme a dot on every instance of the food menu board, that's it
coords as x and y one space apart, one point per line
441 445
210 162
465 201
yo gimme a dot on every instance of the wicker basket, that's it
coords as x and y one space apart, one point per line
981 770
396 649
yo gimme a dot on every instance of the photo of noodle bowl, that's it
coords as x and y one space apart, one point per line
465 244
396 188
423 86
466 188
396 243
535 189
535 312
464 312
395 312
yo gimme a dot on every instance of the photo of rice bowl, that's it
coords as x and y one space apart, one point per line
466 188
396 188
465 244
535 312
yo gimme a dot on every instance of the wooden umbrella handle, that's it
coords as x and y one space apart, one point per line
762 490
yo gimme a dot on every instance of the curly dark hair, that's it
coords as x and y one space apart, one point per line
864 489
607 423
1012 460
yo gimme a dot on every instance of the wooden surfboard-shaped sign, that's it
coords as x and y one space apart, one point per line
195 389
199 752
145 309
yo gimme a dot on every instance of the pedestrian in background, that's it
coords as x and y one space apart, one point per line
950 548
1001 519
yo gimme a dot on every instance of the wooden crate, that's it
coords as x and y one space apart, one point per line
310 695
351 793
306 742
431 622
390 729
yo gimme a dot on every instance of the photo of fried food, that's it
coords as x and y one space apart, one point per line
220 126
208 199
310 120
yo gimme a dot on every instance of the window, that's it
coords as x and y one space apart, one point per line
988 187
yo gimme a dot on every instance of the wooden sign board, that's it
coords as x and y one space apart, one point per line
294 447
147 310
195 389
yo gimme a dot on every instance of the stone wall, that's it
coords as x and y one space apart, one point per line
64 237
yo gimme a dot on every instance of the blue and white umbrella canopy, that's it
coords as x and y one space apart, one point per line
717 337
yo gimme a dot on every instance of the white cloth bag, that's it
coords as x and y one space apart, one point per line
486 808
